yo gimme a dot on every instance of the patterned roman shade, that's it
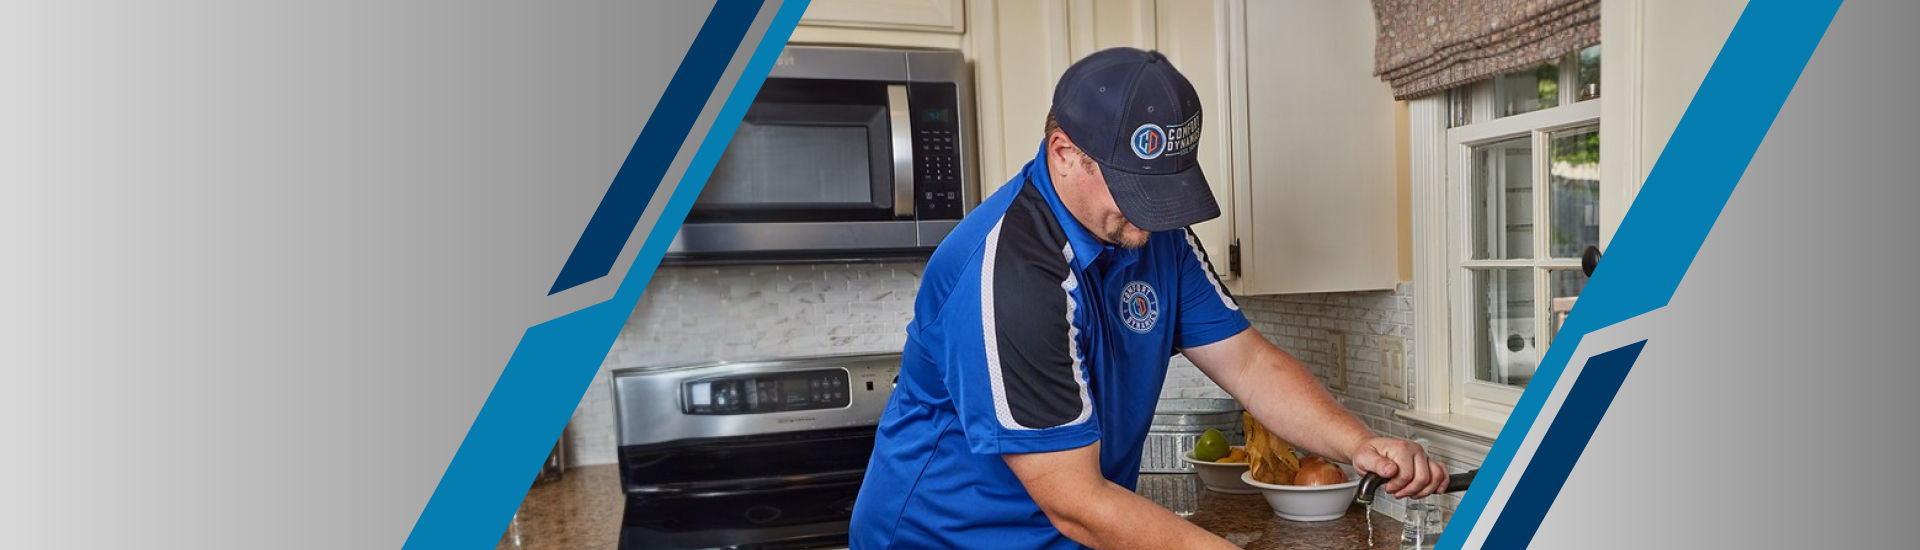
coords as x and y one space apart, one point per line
1425 46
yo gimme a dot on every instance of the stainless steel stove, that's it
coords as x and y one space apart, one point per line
757 454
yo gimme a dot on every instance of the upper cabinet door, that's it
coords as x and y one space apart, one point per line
1019 49
1318 206
1192 34
948 16
1102 24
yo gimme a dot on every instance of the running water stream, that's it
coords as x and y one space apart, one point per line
1369 527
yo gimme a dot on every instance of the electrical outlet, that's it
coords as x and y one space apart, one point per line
1393 369
1337 360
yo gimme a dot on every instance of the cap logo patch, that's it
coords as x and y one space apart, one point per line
1149 141
1184 137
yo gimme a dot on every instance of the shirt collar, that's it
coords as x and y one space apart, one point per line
1086 247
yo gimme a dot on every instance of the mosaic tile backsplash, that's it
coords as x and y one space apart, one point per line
692 314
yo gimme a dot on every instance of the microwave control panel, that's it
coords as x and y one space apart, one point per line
767 392
936 151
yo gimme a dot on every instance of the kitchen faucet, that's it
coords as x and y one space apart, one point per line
1372 483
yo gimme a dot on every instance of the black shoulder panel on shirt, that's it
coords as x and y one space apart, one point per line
1030 316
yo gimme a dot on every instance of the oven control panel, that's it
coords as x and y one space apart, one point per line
766 392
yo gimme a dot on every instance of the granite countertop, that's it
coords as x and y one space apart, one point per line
583 509
1248 522
580 510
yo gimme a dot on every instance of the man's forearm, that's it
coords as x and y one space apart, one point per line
1115 518
1286 399
1095 512
1289 401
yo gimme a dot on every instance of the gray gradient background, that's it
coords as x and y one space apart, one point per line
1773 405
261 264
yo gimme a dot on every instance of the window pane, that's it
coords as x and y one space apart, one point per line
1573 191
1588 74
1526 90
1503 200
1564 286
1504 351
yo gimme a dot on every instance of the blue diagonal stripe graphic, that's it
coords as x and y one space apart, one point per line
606 233
1703 160
1566 438
556 360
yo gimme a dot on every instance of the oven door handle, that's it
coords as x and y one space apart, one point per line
900 118
747 486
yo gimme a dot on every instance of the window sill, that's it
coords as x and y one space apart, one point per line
1477 430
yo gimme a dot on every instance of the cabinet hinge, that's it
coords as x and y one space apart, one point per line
1233 258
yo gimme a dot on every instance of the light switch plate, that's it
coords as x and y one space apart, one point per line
1337 360
1393 369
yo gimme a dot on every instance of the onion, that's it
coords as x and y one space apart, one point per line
1319 473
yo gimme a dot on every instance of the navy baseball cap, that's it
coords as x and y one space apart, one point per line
1140 120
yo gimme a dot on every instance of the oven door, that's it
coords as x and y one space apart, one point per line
787 490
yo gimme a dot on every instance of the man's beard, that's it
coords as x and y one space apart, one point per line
1119 236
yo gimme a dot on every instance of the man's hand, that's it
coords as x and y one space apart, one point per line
1410 471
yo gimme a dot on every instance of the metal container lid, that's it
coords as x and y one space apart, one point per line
1195 412
1196 406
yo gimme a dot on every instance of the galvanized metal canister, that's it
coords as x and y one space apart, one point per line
1177 423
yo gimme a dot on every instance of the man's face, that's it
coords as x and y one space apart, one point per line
1083 189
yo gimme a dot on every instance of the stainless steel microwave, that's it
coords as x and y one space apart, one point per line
846 154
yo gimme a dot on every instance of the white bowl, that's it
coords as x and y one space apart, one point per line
1221 477
1315 503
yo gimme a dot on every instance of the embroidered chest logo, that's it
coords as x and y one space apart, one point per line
1139 306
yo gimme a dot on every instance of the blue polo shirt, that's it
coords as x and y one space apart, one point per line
1029 335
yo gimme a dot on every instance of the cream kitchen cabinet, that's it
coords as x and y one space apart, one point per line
942 16
895 23
1315 150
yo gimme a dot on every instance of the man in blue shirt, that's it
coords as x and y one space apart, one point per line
1042 331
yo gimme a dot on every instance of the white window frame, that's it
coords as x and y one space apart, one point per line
1485 400
1444 393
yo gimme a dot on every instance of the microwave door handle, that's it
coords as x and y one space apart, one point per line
898 114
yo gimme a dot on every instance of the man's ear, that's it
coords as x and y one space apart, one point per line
1060 149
